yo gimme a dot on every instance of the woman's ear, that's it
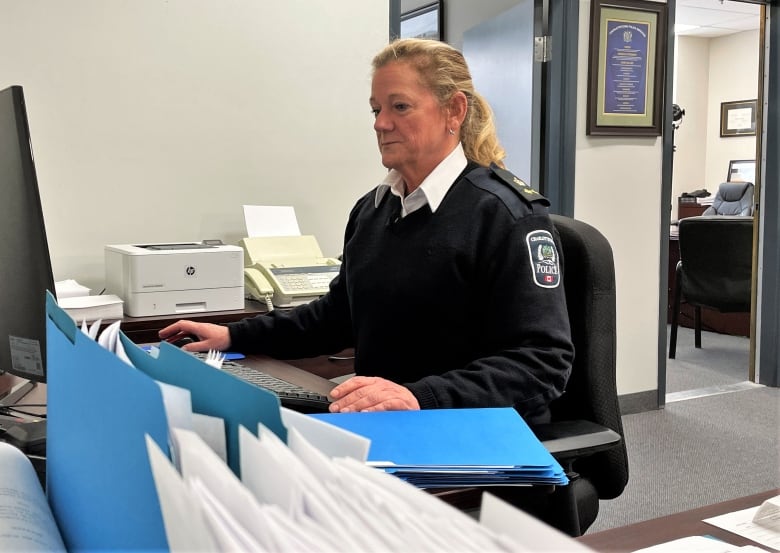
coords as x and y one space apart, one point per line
457 110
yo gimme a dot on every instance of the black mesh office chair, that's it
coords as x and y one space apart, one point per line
714 270
732 198
586 432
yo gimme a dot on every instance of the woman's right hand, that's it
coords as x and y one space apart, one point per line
205 336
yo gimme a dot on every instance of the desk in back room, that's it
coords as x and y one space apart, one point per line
687 208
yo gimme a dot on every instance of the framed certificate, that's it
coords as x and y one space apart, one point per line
738 118
626 67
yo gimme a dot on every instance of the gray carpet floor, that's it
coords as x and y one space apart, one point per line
721 360
703 450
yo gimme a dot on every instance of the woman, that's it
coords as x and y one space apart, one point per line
450 289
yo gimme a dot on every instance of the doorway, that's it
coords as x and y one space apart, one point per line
717 54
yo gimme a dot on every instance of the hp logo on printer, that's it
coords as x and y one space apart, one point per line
190 270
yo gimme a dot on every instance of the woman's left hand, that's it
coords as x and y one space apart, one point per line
370 393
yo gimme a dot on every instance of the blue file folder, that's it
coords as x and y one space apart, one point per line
454 447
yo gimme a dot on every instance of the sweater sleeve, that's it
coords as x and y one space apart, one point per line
320 327
521 325
317 328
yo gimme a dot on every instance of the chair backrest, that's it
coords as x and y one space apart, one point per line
716 254
591 394
732 198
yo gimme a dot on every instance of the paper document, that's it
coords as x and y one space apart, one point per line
91 308
768 514
70 288
271 220
698 544
26 522
330 439
744 524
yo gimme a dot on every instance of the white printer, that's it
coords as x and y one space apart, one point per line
175 278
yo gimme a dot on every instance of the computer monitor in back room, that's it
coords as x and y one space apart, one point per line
25 265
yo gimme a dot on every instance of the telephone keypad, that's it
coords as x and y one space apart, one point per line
305 281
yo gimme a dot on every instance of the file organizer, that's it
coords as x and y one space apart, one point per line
99 482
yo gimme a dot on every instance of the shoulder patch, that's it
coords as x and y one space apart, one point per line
517 185
545 262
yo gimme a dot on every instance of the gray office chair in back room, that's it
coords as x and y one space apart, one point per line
732 198
586 431
714 271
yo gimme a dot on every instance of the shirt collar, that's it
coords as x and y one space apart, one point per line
432 190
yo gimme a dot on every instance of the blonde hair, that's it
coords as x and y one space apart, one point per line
443 70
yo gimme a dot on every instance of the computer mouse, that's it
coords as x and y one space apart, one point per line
184 340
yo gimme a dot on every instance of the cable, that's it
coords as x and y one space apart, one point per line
10 410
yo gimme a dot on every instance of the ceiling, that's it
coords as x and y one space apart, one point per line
711 18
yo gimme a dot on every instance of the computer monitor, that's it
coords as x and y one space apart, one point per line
25 266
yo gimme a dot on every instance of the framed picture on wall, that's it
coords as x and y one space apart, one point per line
626 68
424 22
742 170
738 118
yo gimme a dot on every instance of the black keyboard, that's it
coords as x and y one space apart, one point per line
291 396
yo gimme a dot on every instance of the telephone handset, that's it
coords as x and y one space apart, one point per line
291 268
258 287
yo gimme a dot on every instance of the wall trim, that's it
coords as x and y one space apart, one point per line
639 402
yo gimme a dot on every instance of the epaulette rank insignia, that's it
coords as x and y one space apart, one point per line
516 184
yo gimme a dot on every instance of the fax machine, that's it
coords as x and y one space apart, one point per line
175 278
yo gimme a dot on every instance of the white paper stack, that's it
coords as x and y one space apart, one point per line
70 288
91 308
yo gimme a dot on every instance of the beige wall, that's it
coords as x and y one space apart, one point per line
618 190
711 71
733 76
156 120
690 139
618 182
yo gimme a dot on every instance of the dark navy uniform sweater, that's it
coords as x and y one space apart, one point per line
464 306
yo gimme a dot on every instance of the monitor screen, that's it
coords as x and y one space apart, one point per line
25 266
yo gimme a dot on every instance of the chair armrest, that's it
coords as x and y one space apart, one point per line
567 440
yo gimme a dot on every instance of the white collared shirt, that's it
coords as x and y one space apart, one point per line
431 191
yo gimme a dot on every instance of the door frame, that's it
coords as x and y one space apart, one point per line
765 330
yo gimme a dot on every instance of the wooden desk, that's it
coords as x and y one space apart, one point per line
689 209
313 374
672 527
143 330
36 396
